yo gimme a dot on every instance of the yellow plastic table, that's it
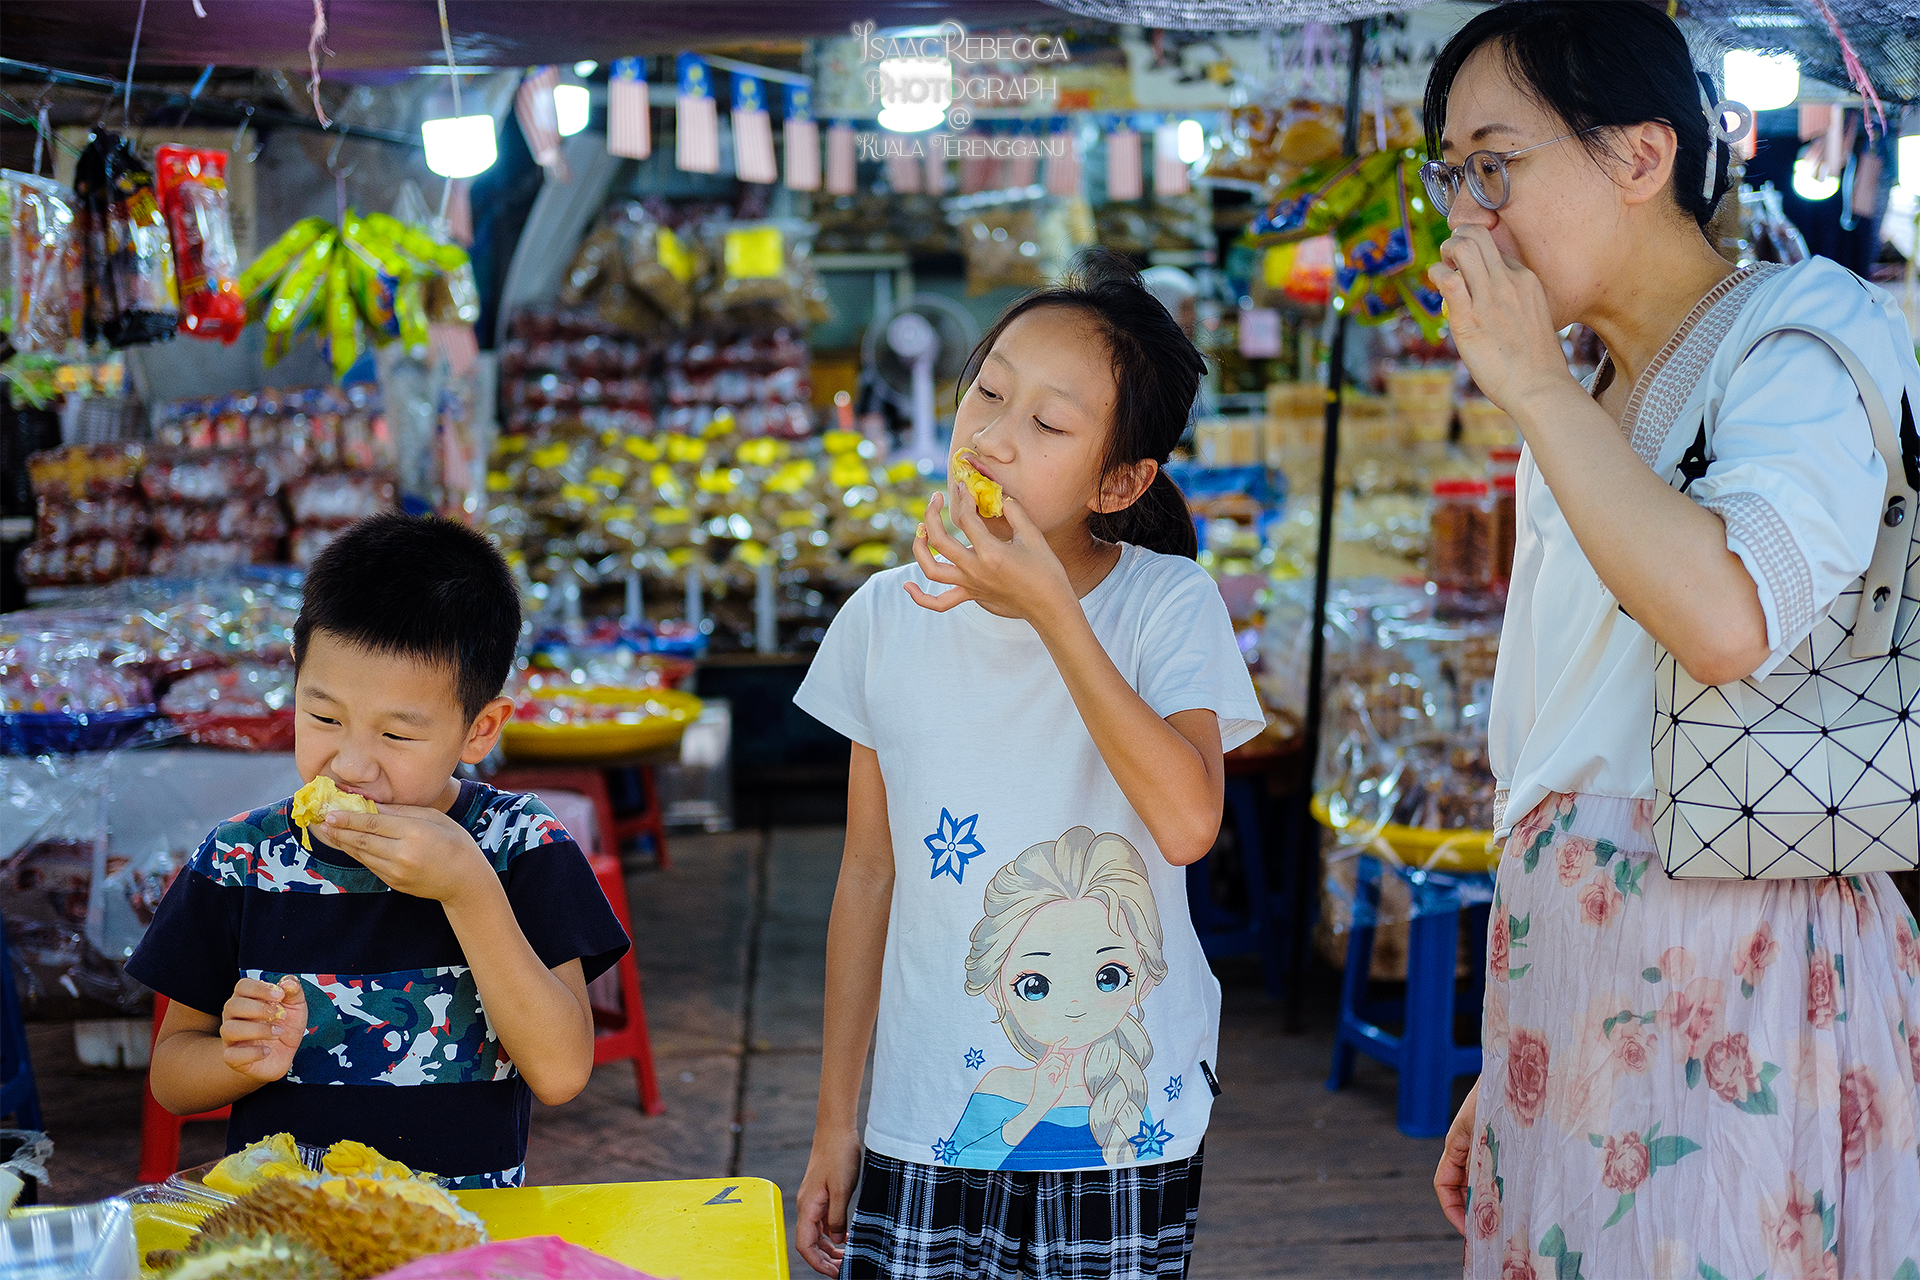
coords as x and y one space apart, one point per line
702 1229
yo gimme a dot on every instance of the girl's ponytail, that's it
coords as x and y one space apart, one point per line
1158 520
1156 372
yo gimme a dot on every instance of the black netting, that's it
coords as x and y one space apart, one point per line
1884 33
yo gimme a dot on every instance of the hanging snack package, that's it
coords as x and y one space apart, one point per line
257 281
1426 229
41 292
1376 240
662 266
375 269
133 296
1321 198
296 296
193 196
343 317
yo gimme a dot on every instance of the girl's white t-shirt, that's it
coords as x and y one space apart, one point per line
1044 1001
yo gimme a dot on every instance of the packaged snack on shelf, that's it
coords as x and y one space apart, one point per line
193 196
42 284
86 470
248 706
339 498
1017 245
132 294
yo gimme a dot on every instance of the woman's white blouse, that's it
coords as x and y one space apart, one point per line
1794 474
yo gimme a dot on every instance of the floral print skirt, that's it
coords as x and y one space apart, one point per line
1717 1080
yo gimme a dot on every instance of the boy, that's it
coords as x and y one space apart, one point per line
420 974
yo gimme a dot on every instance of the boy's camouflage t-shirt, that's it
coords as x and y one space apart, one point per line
391 1002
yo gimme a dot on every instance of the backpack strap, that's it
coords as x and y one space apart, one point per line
1886 576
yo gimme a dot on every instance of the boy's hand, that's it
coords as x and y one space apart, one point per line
261 1026
417 851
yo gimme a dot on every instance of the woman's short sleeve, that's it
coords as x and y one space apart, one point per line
835 690
1797 479
1191 661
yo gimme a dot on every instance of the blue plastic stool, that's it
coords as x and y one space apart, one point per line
1256 931
1424 1053
19 1095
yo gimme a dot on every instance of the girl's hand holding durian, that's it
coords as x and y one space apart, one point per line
1016 577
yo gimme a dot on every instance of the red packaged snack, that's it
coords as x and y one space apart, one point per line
193 196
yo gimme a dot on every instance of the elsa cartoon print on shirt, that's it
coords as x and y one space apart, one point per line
1067 952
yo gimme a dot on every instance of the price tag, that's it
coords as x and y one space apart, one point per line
756 254
673 255
1260 333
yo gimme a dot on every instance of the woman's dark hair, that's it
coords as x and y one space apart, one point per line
1596 64
1156 374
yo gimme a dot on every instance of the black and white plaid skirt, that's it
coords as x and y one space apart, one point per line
931 1222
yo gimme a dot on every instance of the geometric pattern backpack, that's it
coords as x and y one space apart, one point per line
1814 770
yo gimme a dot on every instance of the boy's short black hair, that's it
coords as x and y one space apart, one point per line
420 587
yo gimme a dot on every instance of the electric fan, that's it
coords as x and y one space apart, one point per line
917 351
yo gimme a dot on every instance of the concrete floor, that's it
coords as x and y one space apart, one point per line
1299 1182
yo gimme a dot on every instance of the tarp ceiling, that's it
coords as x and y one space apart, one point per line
94 35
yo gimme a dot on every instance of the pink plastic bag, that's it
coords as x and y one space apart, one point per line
528 1258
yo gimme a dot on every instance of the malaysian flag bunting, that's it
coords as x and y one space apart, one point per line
935 180
978 170
1170 177
802 136
903 174
1123 164
539 123
840 167
696 118
1022 170
1063 169
752 132
629 113
459 202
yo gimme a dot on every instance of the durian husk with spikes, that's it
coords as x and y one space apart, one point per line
367 1226
260 1256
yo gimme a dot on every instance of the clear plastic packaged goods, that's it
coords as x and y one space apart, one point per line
42 281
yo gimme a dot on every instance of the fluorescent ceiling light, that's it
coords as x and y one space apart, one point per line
1764 81
570 107
459 146
1808 185
914 93
1193 141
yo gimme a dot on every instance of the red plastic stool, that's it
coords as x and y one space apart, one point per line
620 1034
159 1127
649 822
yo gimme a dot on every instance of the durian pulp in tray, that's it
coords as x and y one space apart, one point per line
167 1215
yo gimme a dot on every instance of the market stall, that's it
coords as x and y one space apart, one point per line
636 312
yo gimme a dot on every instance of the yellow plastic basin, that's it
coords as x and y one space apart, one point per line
664 715
1458 852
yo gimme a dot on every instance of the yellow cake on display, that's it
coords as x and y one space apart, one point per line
986 493
313 802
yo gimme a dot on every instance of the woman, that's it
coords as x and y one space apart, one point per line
1682 1077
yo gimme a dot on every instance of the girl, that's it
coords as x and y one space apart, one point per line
1067 668
1682 1077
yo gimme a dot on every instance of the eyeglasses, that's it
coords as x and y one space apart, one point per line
1484 175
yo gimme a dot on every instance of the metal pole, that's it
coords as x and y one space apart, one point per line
1304 878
